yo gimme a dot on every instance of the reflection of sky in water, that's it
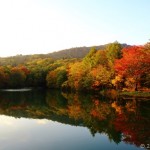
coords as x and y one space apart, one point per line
36 134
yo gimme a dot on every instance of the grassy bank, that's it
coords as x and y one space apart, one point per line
140 95
135 93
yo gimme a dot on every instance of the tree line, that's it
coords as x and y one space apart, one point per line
114 66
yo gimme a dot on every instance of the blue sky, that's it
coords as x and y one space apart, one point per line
43 26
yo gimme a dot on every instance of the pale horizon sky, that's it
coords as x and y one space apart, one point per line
44 26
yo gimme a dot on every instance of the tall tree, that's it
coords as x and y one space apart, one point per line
114 51
89 60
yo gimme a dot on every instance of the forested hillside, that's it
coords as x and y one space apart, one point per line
78 52
113 66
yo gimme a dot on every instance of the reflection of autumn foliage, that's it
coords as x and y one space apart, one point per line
100 110
130 106
18 107
116 107
119 120
130 122
135 129
75 111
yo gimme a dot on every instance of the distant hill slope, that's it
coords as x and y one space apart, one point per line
77 52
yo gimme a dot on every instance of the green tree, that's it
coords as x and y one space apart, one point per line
61 77
89 59
57 77
113 51
51 79
102 77
101 58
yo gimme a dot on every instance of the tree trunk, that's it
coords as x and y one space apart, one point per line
136 86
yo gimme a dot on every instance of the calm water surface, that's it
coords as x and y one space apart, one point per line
46 120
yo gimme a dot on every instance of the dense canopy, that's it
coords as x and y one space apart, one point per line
114 66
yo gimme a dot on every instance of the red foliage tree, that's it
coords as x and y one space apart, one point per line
134 63
135 130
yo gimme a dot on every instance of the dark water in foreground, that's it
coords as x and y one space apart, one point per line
50 120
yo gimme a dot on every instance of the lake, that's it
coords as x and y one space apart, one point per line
52 120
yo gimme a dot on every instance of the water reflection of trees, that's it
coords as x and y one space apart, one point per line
120 120
132 119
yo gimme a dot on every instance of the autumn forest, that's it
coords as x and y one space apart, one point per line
114 66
